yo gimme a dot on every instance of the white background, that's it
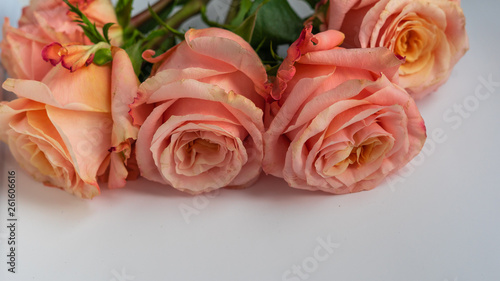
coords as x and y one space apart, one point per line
441 223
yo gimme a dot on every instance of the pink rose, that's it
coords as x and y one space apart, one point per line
72 127
47 21
340 125
201 114
430 34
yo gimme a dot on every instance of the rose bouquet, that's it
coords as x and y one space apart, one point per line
102 96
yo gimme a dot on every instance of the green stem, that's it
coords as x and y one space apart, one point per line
233 11
144 16
191 8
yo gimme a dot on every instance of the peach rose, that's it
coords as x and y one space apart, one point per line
47 21
340 125
201 114
72 127
430 34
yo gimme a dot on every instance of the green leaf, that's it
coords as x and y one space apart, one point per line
245 30
277 20
90 34
166 45
105 30
133 36
245 6
134 51
123 11
88 27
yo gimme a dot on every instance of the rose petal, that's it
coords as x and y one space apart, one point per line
86 136
53 90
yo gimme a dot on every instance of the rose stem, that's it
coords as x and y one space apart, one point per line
233 11
191 8
144 16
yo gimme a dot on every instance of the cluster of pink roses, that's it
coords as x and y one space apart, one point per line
332 119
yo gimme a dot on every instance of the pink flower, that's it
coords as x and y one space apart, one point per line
47 21
340 125
72 127
72 56
201 114
430 34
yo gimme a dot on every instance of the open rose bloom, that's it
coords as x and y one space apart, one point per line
429 34
72 127
47 21
201 114
340 124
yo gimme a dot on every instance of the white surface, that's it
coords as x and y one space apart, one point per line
441 223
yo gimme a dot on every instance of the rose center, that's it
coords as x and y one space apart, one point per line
201 146
199 155
410 45
336 162
364 153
